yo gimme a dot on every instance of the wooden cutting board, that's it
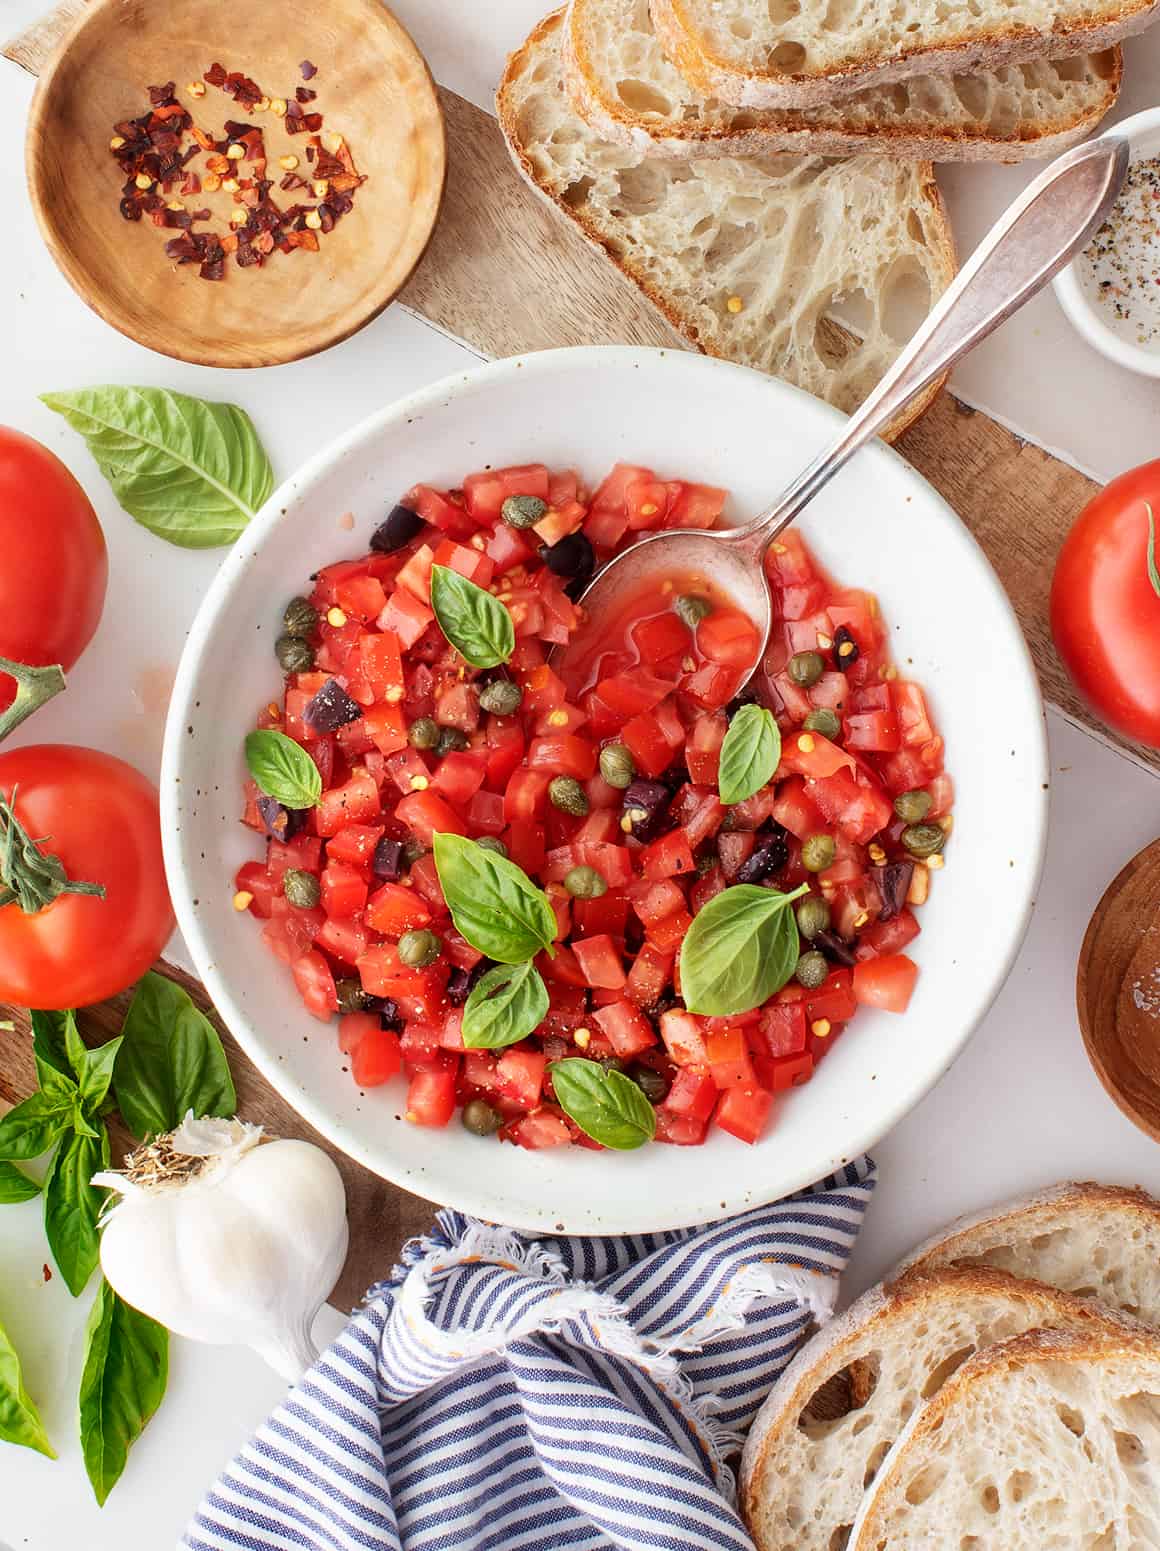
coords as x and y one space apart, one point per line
508 276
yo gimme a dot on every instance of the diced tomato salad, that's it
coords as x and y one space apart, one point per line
661 686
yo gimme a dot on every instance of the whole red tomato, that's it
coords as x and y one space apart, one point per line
99 818
1105 607
54 567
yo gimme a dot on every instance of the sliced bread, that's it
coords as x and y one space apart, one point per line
816 271
799 53
829 1422
1049 1440
625 87
1097 1241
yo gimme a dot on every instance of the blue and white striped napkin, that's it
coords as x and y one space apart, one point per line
507 1394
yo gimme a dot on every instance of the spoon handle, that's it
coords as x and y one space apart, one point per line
1033 239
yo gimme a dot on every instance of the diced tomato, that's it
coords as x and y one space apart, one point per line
526 795
458 776
354 843
703 750
669 934
354 1027
695 506
667 857
661 637
485 493
544 1128
882 938
476 566
885 982
361 597
834 1000
427 815
791 1071
680 1130
520 1072
356 802
406 617
728 1056
632 694
393 910
735 849
608 914
654 901
345 940
525 843
628 1030
743 1112
729 637
860 808
565 755
600 962
380 664
315 985
684 1040
650 973
254 879
942 797
783 1028
613 863
693 1093
653 739
431 1098
376 1058
344 890
809 754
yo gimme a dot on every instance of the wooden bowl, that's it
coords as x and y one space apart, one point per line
373 88
1118 990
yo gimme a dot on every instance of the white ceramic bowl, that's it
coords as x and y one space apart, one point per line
877 526
1075 295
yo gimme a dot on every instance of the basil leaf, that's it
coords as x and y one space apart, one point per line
50 1041
505 1005
93 1069
741 948
606 1105
477 624
33 1126
19 1420
493 903
123 1383
283 769
192 472
72 1206
749 754
170 1061
15 1185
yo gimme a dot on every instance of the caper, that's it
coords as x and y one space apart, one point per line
585 883
818 853
813 916
811 970
616 765
825 721
350 993
413 850
423 733
501 697
492 843
923 839
418 949
294 654
452 740
693 608
566 793
480 1119
302 889
706 864
912 807
523 511
300 617
806 668
654 1085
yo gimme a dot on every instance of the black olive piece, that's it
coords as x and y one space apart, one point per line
845 648
743 697
653 1084
461 982
331 708
389 1015
280 823
652 798
572 556
835 949
396 530
893 882
675 777
768 856
387 862
666 1003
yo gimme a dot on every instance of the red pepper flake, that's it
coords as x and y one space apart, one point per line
303 94
308 70
216 75
46 1272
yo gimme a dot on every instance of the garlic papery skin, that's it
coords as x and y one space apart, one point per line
226 1238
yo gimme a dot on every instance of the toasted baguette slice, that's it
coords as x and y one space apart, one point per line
829 265
836 1411
799 53
624 86
1049 1440
1097 1241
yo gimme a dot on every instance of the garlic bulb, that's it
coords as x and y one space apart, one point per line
228 1241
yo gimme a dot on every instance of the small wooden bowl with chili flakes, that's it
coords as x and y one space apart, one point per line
236 184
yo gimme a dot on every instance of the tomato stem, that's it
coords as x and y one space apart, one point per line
30 877
34 687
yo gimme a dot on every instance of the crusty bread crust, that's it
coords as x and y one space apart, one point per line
868 1325
786 130
542 36
1136 1351
713 76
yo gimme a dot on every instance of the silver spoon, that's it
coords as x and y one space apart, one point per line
1053 218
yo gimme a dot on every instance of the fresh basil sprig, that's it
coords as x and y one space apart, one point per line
19 1419
125 1374
504 1006
72 1206
605 1104
741 948
476 623
170 1061
192 472
37 1123
749 754
283 769
493 903
16 1186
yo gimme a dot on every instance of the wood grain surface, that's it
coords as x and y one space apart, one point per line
507 276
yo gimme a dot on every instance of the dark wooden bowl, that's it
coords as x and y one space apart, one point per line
373 87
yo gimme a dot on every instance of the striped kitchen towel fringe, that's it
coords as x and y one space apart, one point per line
504 1393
